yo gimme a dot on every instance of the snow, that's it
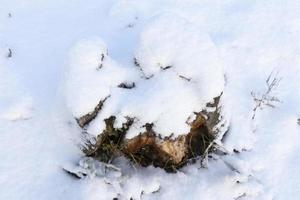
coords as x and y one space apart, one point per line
181 45
58 44
181 72
21 110
91 76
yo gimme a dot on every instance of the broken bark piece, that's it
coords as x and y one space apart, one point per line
86 119
184 78
101 63
127 85
166 67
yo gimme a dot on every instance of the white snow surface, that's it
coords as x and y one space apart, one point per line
54 75
180 73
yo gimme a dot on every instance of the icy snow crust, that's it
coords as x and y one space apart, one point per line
178 71
253 38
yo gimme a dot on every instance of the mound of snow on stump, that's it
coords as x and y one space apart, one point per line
163 109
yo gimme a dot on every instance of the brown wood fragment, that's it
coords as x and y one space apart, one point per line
86 119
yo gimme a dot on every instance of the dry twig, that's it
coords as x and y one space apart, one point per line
267 98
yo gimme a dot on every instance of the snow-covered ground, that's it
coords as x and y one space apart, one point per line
44 43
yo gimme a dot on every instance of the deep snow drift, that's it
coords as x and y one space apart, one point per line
51 70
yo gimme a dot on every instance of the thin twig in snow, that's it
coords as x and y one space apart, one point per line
267 98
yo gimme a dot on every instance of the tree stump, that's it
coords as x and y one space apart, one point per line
163 110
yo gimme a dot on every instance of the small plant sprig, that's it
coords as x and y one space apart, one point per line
267 99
